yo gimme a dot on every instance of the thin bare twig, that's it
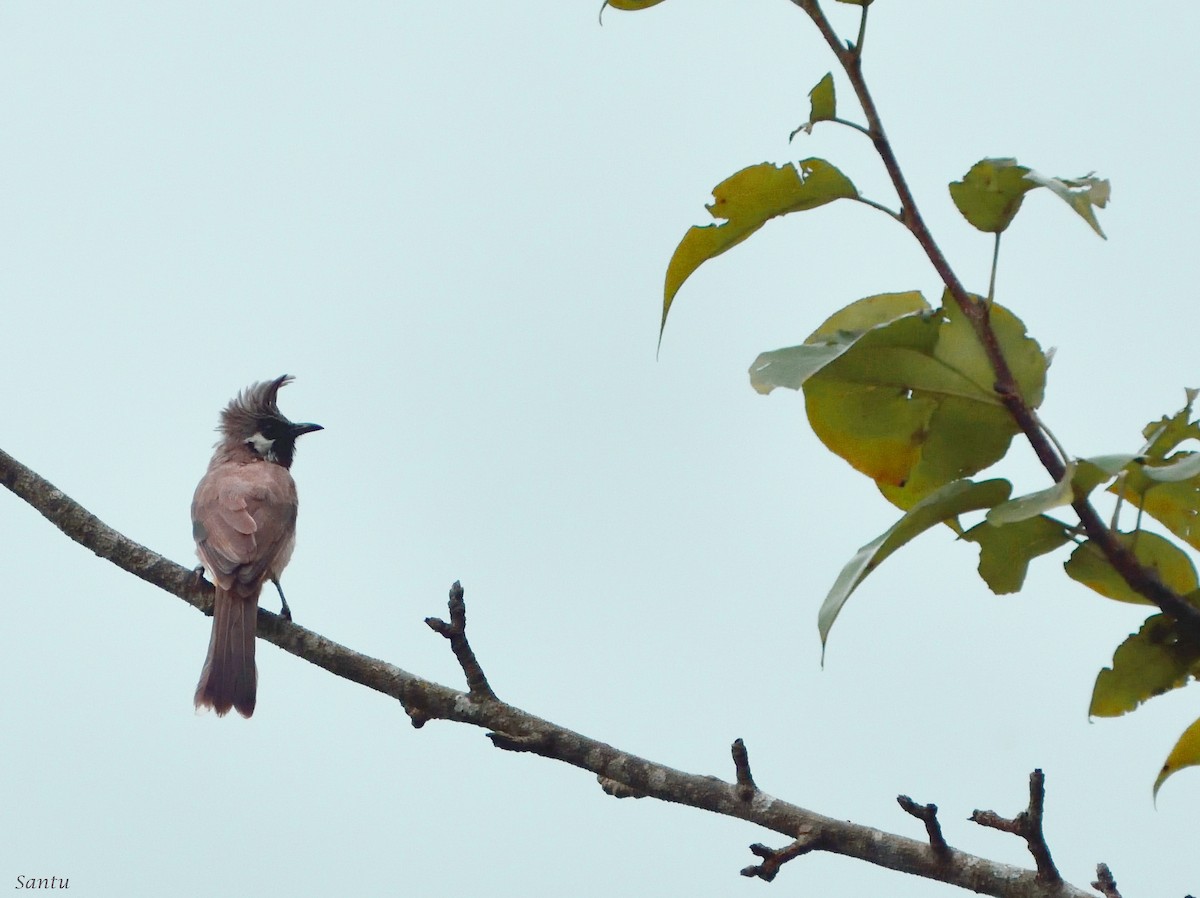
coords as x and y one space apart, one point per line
927 813
1105 884
741 765
456 632
774 858
1028 825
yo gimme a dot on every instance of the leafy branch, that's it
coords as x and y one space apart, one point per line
619 773
1141 579
919 399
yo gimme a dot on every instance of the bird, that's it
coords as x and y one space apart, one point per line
244 524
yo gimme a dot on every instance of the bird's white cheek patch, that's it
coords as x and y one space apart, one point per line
261 444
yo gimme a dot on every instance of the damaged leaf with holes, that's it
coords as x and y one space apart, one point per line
746 201
990 194
909 401
1160 657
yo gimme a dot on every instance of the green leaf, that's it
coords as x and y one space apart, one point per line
1006 550
822 100
1091 472
965 436
948 502
792 366
991 192
1088 566
1033 504
1166 434
1084 195
822 105
959 347
1157 481
1157 658
1186 753
878 430
870 312
746 201
908 402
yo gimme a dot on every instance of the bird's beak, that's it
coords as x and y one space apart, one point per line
300 429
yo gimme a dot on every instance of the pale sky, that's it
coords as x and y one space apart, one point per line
451 224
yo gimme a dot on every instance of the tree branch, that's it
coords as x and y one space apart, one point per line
517 730
1141 579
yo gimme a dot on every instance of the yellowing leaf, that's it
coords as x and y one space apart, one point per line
1161 481
961 437
1176 505
991 193
903 393
1186 753
948 502
1088 566
632 5
1006 550
746 201
1157 658
878 427
880 432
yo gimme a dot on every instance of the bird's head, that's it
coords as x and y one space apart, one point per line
253 419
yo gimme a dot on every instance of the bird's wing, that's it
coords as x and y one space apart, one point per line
243 516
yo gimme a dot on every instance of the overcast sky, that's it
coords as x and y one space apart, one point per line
451 223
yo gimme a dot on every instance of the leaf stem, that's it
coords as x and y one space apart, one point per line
881 207
862 31
1062 453
991 297
849 124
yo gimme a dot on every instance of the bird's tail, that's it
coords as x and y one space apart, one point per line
230 679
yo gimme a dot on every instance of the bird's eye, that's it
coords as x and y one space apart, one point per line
270 428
